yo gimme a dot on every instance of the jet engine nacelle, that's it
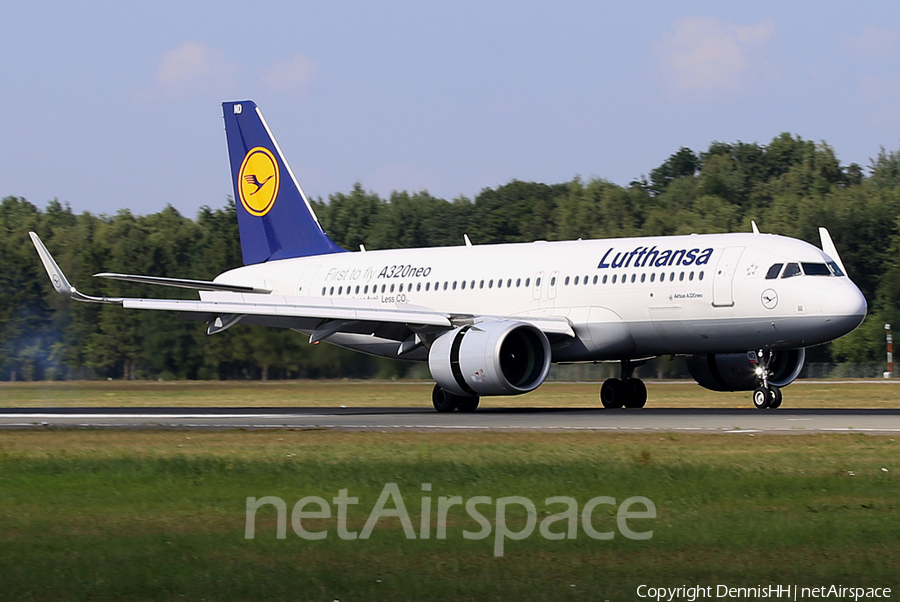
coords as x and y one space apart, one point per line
735 372
491 358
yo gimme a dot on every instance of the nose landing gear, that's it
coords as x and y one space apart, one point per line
766 395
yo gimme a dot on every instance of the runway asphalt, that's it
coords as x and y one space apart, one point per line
730 421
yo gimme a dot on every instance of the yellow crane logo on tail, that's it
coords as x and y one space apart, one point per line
258 181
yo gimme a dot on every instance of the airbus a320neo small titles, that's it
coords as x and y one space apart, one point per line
490 319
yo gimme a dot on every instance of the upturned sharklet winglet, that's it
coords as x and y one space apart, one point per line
275 218
59 280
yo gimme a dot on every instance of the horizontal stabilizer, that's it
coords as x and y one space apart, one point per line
197 285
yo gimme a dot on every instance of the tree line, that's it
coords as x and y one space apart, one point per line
790 186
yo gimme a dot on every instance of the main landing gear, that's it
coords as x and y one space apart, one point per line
444 401
766 395
627 392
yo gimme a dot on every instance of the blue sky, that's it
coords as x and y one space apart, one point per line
110 105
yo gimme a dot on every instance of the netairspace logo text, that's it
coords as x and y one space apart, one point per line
562 525
787 592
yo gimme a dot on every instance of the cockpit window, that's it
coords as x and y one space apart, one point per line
792 269
816 269
835 269
773 271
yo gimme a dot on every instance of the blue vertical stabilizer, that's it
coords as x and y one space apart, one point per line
275 218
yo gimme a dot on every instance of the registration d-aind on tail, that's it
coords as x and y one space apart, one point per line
490 319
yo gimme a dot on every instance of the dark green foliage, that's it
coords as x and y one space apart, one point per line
790 186
683 164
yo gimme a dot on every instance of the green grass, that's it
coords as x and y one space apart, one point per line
859 394
117 515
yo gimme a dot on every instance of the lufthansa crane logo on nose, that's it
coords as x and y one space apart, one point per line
258 181
769 298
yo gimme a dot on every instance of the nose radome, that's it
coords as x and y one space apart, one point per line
846 303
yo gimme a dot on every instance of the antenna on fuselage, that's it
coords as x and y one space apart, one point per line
755 227
466 238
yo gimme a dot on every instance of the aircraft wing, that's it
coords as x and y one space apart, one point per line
227 306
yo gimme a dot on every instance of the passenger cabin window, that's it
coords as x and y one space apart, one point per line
791 270
772 274
816 269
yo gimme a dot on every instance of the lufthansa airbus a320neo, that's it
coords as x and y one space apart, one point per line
490 319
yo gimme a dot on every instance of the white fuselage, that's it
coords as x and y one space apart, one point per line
625 298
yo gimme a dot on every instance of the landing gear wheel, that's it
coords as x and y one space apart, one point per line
762 397
776 397
636 393
467 404
443 401
613 393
